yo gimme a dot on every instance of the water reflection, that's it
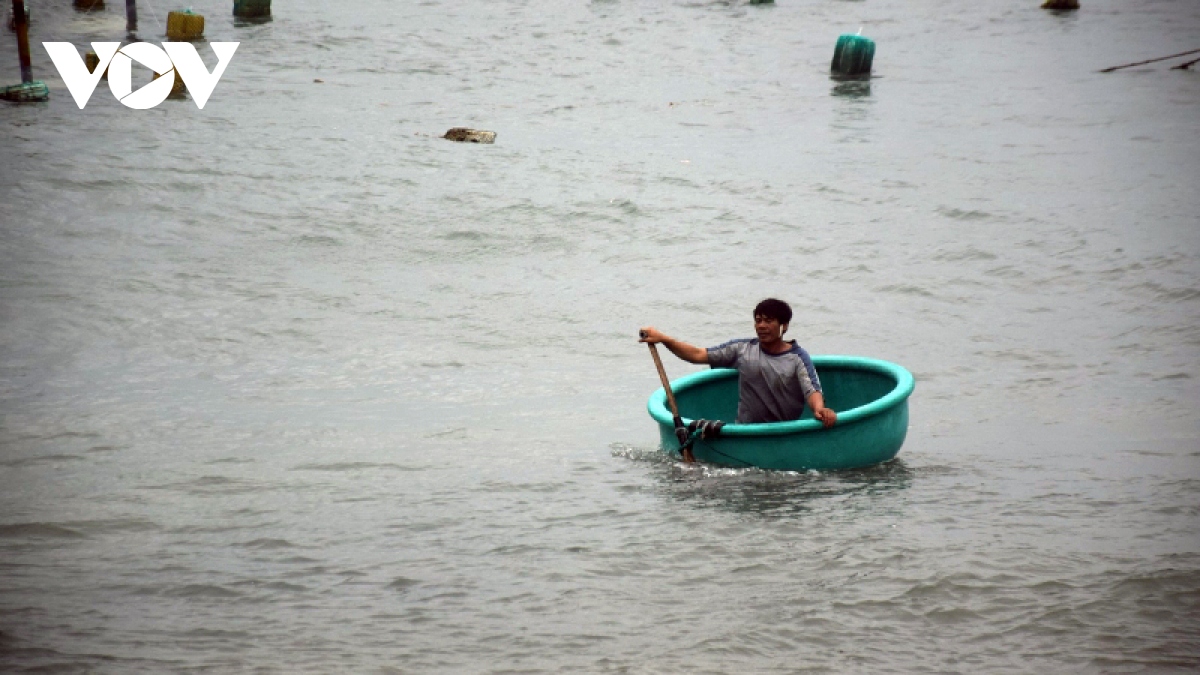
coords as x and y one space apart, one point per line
245 21
775 494
851 89
852 120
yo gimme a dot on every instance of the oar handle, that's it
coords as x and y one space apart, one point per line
662 375
681 432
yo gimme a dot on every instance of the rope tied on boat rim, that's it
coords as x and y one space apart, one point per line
704 430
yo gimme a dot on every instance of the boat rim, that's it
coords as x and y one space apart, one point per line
657 405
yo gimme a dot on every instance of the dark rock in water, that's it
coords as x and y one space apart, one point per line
465 135
1061 4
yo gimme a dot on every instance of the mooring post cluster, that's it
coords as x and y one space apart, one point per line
852 54
182 26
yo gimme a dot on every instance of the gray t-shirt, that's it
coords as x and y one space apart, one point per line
771 387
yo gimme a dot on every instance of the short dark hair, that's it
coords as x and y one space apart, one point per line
774 309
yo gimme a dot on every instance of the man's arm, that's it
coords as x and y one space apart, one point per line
817 402
685 351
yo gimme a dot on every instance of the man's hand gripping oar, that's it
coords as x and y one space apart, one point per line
681 432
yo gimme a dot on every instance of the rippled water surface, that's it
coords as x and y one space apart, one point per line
289 384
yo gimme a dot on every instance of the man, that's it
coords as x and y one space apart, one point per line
775 377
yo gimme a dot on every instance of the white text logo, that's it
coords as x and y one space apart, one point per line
118 60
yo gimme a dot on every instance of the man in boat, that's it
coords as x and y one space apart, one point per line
775 377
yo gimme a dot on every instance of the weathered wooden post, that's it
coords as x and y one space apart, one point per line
29 90
12 19
130 16
23 41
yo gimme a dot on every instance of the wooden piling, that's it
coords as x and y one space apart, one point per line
12 19
130 15
22 20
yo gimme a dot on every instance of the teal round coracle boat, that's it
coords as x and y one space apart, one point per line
869 395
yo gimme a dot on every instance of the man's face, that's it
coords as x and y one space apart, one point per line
767 329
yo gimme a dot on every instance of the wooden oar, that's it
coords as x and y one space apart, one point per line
680 431
1142 63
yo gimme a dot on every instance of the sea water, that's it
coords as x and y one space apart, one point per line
290 384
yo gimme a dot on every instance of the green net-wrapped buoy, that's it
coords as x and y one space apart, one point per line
26 92
852 56
251 9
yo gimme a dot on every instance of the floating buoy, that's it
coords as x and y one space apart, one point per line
1061 4
26 92
89 5
251 9
465 135
93 62
177 87
185 26
852 56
